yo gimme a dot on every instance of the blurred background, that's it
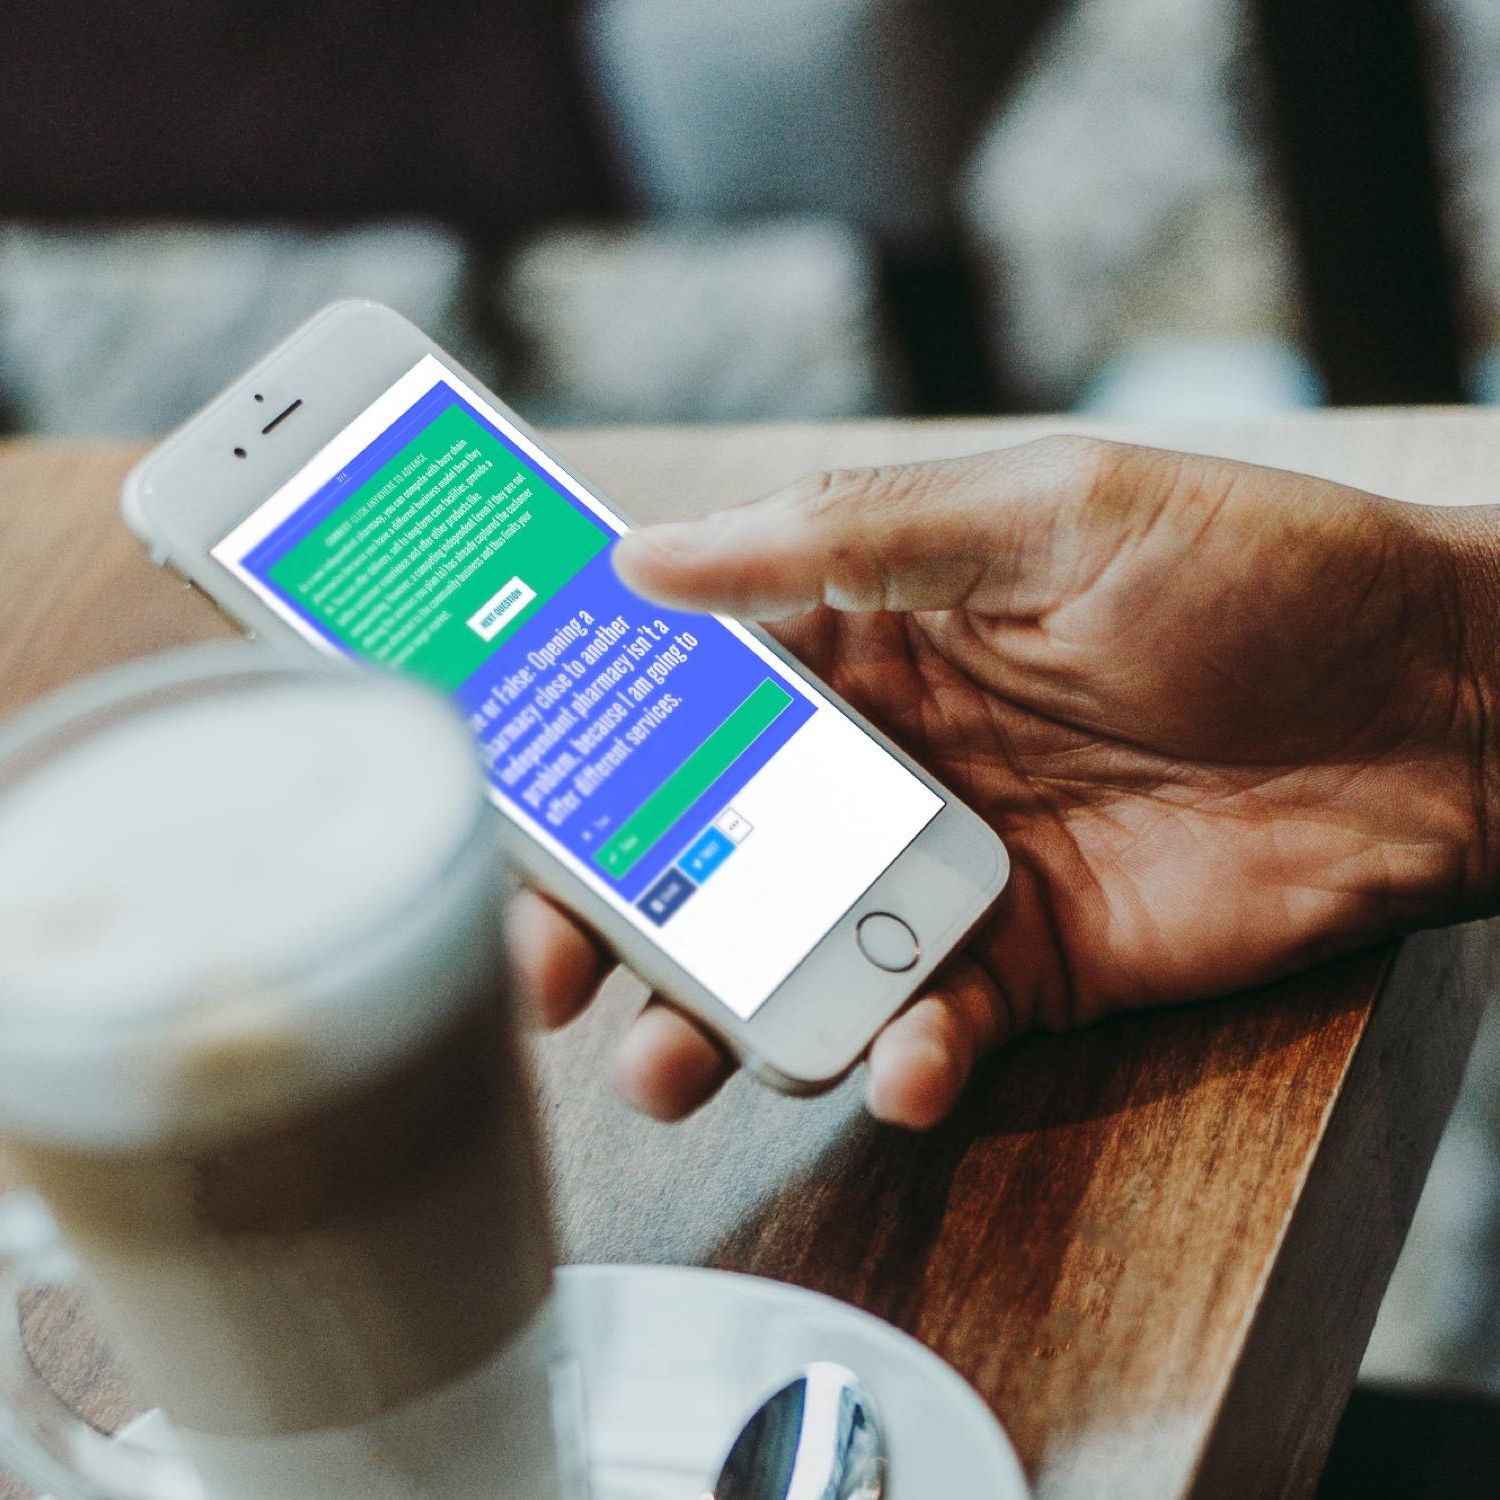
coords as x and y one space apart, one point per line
748 210
689 210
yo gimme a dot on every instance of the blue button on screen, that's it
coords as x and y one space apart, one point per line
706 854
666 896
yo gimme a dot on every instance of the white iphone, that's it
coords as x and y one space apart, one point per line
754 849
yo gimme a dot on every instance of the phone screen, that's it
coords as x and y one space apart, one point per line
722 803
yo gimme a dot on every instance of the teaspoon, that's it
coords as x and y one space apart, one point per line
817 1438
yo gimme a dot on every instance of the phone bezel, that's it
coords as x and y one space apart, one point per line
190 492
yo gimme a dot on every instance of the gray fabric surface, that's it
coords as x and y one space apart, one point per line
128 331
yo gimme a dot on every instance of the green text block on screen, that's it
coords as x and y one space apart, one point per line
692 778
444 551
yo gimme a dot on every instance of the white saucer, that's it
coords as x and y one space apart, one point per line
674 1358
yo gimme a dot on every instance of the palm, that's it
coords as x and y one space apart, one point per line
1191 802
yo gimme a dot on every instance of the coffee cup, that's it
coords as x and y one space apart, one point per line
260 1065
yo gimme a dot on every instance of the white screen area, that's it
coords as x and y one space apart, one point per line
681 769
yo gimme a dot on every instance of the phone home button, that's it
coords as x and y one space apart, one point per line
887 941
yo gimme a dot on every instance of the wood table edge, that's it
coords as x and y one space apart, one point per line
1314 1313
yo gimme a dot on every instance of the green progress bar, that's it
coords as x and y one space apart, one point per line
692 778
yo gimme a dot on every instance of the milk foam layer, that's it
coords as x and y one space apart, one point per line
199 906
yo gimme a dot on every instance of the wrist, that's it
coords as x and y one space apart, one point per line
1470 540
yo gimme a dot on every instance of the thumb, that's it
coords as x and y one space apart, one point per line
960 532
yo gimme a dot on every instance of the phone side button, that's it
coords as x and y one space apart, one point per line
887 941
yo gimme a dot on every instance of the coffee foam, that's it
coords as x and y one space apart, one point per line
199 907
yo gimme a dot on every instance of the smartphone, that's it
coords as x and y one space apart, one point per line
754 849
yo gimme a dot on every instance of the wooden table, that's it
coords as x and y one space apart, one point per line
1156 1247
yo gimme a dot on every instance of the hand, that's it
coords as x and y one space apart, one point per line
1229 721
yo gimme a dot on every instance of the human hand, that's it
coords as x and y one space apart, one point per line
1229 721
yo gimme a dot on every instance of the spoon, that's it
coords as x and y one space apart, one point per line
817 1438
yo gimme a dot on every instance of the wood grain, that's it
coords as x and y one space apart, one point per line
1156 1247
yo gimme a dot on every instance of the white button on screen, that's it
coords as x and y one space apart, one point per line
887 941
500 609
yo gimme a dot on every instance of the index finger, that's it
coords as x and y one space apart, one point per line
980 532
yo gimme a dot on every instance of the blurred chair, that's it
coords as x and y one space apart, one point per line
1352 125
862 110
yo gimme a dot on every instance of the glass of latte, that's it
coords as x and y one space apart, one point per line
260 1064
